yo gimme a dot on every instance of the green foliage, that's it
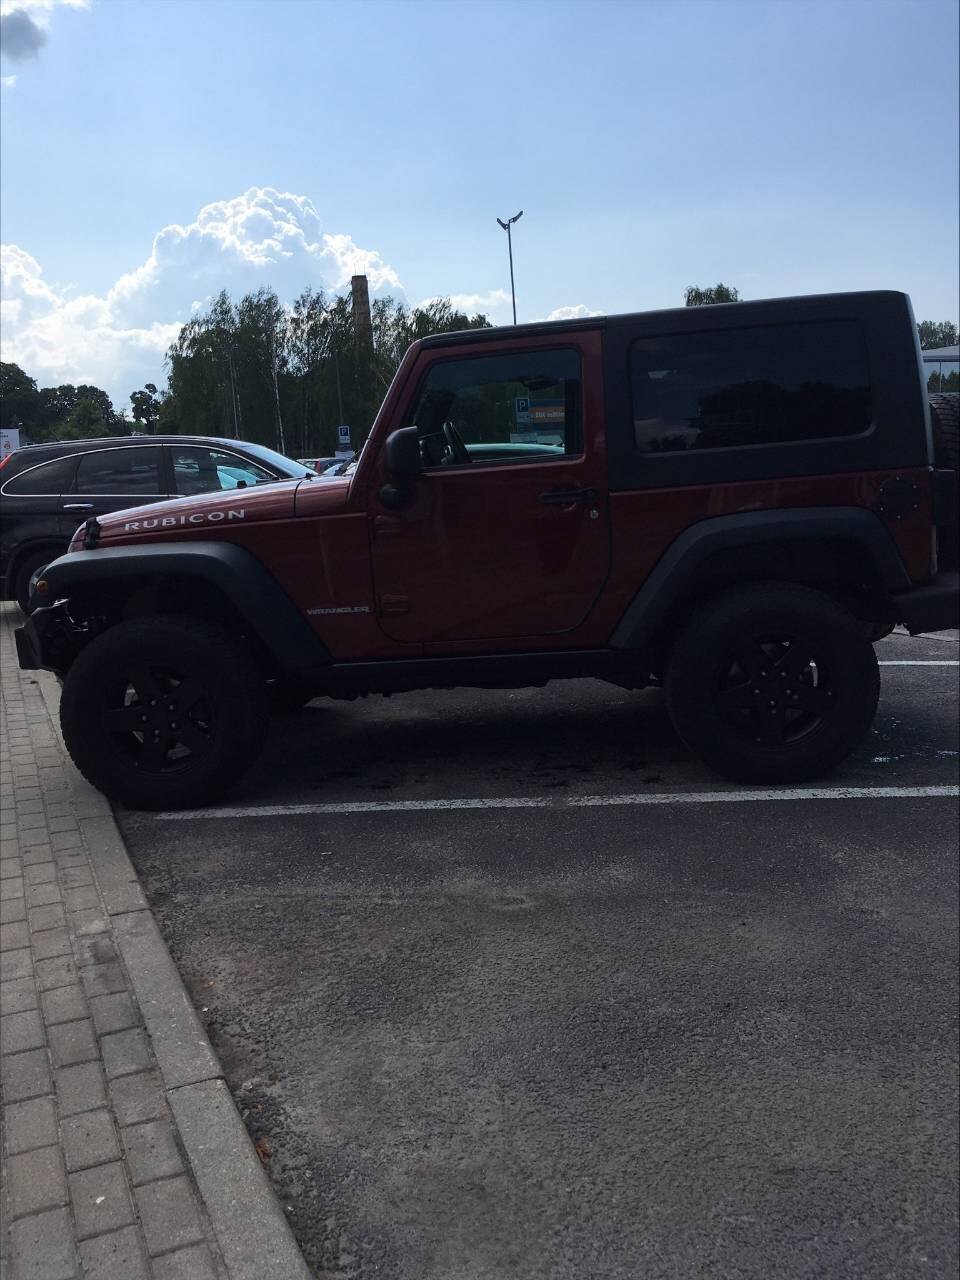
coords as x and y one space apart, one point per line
18 396
85 421
943 381
288 378
937 333
55 413
694 297
146 407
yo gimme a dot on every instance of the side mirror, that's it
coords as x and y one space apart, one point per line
403 453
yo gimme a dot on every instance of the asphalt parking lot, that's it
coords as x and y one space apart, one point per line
507 986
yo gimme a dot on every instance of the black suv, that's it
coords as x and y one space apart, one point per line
47 490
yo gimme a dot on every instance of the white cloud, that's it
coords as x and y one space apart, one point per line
578 312
39 9
471 303
8 81
59 339
118 339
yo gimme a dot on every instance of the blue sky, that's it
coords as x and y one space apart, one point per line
783 146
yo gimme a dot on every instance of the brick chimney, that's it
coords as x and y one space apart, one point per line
362 326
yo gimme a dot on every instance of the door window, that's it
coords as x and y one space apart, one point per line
48 480
133 472
517 407
197 469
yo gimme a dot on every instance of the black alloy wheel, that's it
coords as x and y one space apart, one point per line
161 717
772 682
775 689
164 712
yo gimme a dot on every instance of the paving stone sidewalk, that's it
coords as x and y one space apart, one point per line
123 1154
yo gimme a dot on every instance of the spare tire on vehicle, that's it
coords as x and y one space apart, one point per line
945 421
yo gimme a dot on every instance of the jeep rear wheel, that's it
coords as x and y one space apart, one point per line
163 712
772 683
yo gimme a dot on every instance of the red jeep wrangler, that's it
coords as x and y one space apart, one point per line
733 501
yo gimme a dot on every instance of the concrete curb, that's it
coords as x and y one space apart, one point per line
251 1230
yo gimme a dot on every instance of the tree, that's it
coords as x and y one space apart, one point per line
146 407
60 406
308 344
65 412
694 297
937 333
288 376
19 399
86 421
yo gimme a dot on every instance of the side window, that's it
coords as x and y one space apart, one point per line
762 385
134 472
49 479
200 470
499 409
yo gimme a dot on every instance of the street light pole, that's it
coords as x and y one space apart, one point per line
506 226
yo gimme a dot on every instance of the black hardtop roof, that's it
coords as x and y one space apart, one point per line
802 302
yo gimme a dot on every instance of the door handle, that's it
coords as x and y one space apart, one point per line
565 497
78 506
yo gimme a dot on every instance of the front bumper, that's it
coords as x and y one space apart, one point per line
933 607
26 653
49 640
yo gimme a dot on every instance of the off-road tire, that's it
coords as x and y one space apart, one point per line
26 568
217 722
945 421
736 678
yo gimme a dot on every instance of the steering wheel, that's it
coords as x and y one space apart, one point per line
457 449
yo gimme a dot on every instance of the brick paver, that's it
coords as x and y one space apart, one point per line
94 1180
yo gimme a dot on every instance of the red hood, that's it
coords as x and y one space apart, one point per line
207 512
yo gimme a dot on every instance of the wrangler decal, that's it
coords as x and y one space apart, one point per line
345 608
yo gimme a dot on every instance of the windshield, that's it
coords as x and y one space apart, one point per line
277 460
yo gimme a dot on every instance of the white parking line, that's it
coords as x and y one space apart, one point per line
919 662
567 802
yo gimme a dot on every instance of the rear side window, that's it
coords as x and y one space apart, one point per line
133 471
48 479
517 407
754 386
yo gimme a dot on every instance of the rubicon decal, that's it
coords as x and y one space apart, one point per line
173 522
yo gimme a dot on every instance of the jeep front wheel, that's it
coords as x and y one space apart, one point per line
163 712
772 683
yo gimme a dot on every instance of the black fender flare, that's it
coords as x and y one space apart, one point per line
676 568
252 590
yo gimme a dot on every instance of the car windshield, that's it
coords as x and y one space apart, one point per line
231 477
287 466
